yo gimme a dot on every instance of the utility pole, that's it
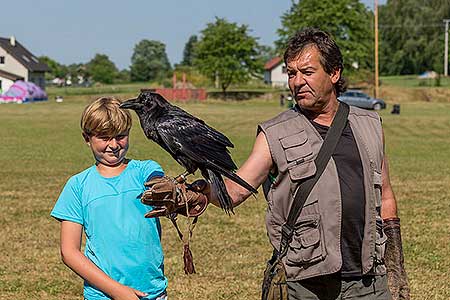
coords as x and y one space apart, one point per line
376 47
446 21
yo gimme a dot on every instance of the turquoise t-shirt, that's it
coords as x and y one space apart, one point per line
119 240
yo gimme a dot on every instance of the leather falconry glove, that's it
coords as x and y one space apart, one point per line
397 279
167 196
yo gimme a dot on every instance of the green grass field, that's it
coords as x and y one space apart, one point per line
42 146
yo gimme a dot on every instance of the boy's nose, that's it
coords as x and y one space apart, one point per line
113 144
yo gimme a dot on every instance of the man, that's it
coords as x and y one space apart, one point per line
338 245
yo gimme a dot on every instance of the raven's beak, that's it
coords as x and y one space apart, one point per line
132 103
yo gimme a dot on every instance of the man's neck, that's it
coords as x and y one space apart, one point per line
325 115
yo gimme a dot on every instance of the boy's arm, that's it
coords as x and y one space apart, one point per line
73 257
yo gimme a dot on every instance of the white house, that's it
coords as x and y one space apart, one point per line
17 63
275 73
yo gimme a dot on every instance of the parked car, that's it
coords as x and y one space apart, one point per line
359 99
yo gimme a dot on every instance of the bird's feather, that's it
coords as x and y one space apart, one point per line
190 141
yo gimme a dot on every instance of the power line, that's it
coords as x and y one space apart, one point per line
411 26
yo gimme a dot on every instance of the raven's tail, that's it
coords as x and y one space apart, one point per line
218 185
233 176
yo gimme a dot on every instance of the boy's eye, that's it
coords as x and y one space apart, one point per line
121 137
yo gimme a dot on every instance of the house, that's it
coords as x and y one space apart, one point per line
17 63
275 73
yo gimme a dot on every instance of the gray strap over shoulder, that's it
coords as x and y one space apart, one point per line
321 161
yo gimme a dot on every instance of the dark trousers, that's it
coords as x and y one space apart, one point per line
333 287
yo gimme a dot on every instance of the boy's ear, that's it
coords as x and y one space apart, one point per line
85 137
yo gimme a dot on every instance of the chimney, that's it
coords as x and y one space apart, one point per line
12 41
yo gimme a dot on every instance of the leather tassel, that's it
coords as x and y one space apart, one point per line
188 260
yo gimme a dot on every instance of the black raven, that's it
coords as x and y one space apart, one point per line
190 141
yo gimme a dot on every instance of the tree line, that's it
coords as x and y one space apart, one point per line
411 34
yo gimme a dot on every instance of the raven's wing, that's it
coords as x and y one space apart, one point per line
193 143
191 137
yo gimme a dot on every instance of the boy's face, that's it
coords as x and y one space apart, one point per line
109 151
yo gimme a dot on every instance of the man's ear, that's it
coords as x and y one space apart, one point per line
335 75
86 137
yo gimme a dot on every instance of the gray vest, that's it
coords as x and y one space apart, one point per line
315 247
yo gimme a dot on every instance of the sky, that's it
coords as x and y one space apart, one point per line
74 31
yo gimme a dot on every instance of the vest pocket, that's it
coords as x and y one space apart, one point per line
298 155
380 243
377 182
307 246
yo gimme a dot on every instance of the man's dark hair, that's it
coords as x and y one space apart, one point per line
330 55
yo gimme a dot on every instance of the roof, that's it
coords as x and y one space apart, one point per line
25 57
10 76
272 63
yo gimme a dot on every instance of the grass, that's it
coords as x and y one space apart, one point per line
414 81
42 146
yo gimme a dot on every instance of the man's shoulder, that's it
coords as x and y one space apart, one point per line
282 117
360 112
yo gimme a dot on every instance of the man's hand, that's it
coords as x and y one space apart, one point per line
397 279
167 196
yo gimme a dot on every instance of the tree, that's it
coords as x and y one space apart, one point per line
227 53
149 61
56 69
412 36
188 52
348 22
102 69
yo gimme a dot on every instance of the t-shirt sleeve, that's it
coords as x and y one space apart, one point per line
69 207
151 169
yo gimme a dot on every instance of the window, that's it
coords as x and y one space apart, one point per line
283 70
25 58
2 59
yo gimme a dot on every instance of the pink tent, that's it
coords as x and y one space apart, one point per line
23 92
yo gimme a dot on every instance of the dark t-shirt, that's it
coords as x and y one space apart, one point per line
351 179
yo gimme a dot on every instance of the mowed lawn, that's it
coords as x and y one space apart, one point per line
41 147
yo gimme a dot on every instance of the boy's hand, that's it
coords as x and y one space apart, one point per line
168 196
128 293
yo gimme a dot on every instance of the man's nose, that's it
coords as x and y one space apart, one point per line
299 79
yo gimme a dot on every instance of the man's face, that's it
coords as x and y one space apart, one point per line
109 151
310 85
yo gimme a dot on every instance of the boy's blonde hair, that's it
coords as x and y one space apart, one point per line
103 117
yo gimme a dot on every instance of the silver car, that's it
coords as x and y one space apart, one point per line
360 99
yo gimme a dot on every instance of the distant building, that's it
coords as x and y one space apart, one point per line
17 63
275 73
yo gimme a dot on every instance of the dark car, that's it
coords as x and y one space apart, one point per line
359 99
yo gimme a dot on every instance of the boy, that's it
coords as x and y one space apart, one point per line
123 258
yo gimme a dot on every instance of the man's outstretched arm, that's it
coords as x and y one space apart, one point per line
254 170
